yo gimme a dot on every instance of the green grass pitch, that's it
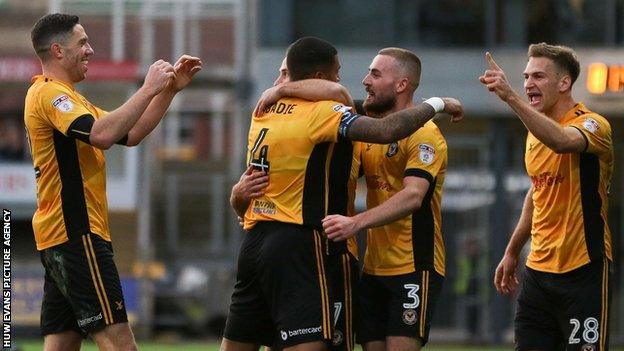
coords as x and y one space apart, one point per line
214 346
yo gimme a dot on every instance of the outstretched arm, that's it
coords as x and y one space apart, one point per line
115 125
558 138
401 204
400 124
505 279
185 68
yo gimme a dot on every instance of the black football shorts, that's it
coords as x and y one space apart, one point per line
565 311
82 290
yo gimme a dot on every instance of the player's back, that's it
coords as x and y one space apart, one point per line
293 141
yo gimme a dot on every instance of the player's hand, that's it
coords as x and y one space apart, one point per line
252 184
268 98
158 76
184 69
454 108
339 227
495 80
505 279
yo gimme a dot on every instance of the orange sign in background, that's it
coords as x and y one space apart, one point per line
602 78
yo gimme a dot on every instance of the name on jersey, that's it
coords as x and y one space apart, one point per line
546 179
374 182
281 108
263 207
62 103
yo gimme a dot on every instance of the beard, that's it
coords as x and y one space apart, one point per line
380 106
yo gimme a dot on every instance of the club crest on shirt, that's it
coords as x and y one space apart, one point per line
337 338
393 148
591 125
426 153
63 103
588 347
409 317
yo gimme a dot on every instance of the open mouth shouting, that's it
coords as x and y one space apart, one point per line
535 98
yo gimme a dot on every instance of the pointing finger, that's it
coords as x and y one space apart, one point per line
491 62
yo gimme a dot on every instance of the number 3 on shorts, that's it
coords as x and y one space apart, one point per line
412 289
590 332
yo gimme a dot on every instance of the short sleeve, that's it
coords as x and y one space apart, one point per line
99 111
329 120
596 130
426 154
60 107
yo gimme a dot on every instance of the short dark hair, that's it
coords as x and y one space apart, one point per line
564 57
49 29
309 55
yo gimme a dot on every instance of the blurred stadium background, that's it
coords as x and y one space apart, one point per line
175 238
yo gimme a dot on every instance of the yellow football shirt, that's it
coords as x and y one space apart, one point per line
352 245
294 141
570 197
70 174
413 242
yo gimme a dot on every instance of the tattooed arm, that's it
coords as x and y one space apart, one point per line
400 124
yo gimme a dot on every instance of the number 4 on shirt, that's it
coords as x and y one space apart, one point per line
260 161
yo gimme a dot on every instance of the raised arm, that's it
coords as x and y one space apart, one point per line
558 138
401 124
184 69
115 125
505 279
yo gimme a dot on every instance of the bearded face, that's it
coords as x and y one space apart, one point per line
380 85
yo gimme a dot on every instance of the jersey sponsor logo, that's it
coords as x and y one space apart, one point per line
63 103
392 149
284 335
375 182
588 347
426 153
89 320
409 317
264 207
546 179
591 125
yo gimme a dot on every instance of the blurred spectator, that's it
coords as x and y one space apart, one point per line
12 142
470 265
